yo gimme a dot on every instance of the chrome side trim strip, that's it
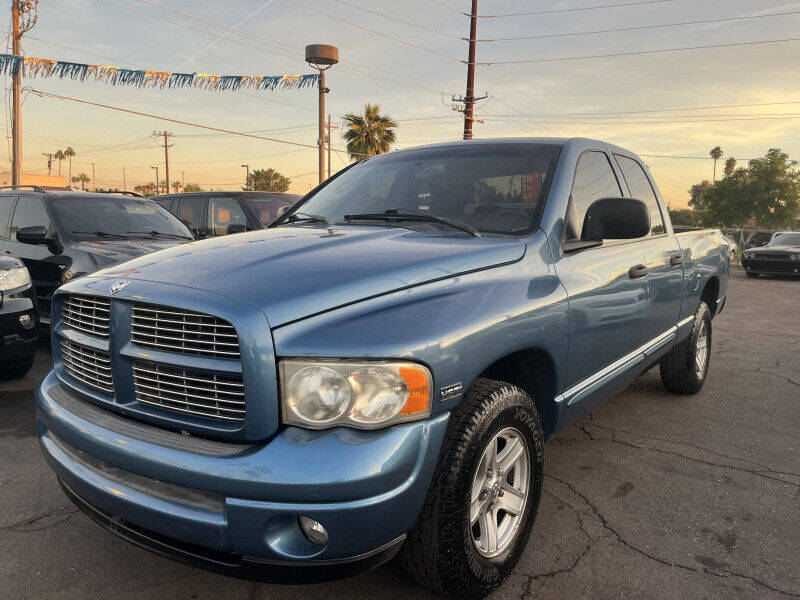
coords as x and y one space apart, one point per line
646 349
685 321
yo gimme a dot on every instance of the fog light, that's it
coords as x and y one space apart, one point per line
314 531
26 321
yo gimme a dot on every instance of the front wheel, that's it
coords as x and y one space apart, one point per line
484 496
684 369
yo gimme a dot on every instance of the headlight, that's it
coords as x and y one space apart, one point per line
14 278
366 395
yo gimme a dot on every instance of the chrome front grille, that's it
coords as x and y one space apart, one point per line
189 391
188 332
87 365
87 314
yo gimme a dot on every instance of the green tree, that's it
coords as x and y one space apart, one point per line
368 134
59 156
767 191
192 187
69 153
685 217
716 154
730 166
148 189
267 180
176 185
696 192
83 179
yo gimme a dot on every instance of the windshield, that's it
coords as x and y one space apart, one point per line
786 239
494 188
266 209
92 217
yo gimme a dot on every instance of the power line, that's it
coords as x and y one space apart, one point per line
654 110
447 6
580 9
161 118
398 20
374 31
638 52
640 27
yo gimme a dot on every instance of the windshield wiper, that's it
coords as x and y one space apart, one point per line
394 214
301 217
103 234
154 233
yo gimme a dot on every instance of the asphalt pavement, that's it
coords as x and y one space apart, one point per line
651 496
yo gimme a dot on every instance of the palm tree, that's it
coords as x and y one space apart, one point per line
59 156
83 179
730 166
716 154
368 134
176 185
69 153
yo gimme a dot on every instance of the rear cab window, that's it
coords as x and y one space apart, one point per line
641 189
594 179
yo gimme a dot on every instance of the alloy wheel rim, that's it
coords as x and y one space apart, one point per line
499 493
701 351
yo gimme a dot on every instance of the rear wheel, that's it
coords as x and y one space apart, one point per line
684 369
749 274
484 496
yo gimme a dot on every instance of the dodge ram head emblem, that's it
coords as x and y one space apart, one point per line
118 285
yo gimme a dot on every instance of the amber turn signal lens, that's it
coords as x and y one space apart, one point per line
418 390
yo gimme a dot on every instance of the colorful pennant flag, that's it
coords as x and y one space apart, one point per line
32 67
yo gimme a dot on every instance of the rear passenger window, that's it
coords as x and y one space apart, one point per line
594 179
641 189
6 206
191 211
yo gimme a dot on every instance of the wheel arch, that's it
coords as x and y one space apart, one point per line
710 294
534 371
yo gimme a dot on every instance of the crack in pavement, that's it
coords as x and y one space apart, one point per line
22 525
716 572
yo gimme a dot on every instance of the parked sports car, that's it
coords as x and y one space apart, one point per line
781 256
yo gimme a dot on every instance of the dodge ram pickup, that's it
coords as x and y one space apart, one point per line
375 374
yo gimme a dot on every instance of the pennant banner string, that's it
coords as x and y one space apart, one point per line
32 67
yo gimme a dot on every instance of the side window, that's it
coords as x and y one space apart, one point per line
641 189
167 203
6 206
594 179
190 211
224 212
30 212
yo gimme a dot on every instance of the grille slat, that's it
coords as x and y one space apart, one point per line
88 366
88 315
192 333
220 396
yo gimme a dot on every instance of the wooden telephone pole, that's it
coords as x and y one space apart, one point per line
469 99
166 135
329 127
23 17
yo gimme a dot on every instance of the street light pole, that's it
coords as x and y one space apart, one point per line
322 57
157 185
247 178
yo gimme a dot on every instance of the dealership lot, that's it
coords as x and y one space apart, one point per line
652 496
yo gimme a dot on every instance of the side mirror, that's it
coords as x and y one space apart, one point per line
34 235
612 219
237 228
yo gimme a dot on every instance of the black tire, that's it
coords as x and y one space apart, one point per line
678 368
439 551
749 274
18 371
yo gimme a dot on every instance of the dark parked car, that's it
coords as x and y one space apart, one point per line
63 235
781 256
211 214
18 320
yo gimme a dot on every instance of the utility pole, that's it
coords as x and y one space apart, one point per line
322 57
166 135
94 185
27 12
469 99
329 127
156 168
49 164
247 177
124 183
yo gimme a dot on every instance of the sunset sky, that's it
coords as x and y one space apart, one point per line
744 98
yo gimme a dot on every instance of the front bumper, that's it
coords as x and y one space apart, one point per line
772 266
17 343
232 508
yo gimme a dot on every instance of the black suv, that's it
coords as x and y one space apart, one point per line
211 214
18 336
63 235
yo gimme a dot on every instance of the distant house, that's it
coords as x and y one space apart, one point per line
48 182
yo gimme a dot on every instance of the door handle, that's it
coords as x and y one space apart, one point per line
675 260
638 272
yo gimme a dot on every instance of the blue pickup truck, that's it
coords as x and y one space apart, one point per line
376 373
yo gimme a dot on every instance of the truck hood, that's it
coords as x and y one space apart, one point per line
104 253
295 272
